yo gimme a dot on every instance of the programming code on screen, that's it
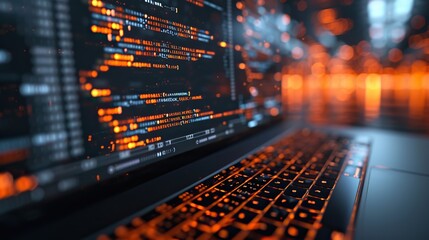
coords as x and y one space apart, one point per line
95 88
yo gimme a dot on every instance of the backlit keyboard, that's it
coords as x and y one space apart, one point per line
282 191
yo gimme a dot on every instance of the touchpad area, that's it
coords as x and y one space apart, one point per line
396 206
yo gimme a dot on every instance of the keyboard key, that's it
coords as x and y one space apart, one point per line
330 174
241 194
244 216
269 172
295 232
264 229
295 168
256 184
276 214
258 203
276 166
251 187
122 231
306 216
188 233
222 209
210 218
231 183
320 192
233 201
208 198
227 232
262 178
287 175
285 201
279 183
339 160
333 167
325 182
301 161
171 221
302 182
313 203
316 166
295 191
310 174
269 192
248 172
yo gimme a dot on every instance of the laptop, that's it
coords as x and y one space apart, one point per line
162 119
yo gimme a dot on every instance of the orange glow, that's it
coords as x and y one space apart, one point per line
101 112
10 187
274 112
372 96
327 15
88 86
116 129
24 184
292 231
346 52
94 28
223 44
6 185
104 68
100 92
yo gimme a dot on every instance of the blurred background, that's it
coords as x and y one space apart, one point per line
359 62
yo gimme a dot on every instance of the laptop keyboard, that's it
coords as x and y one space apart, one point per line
282 191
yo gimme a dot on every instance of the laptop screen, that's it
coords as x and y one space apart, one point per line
93 89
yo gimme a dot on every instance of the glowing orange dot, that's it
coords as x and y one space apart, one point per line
88 86
239 5
24 184
131 145
223 44
116 129
101 112
242 66
274 112
95 93
94 28
293 231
